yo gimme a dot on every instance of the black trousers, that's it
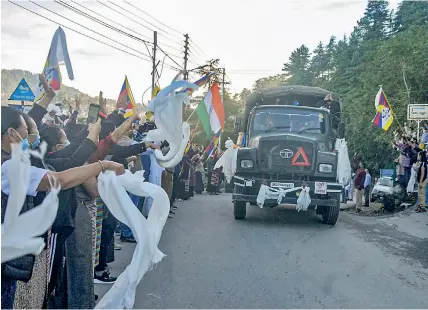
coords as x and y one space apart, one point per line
174 192
107 235
367 196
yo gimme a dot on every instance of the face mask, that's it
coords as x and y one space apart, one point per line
36 143
24 142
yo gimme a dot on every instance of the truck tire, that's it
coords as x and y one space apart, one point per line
239 210
331 213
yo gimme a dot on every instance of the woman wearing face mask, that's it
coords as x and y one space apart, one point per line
14 131
28 294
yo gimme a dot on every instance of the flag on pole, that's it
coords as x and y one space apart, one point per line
211 112
201 82
213 144
58 55
384 115
126 94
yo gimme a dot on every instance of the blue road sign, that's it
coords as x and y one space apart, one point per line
23 92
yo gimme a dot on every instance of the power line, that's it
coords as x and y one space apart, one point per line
108 26
130 4
76 10
153 17
100 34
169 57
129 12
197 47
113 9
112 21
85 35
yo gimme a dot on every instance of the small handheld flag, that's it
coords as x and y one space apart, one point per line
58 55
126 95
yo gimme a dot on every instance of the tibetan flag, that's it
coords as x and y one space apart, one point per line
126 94
384 115
213 144
58 55
201 82
211 111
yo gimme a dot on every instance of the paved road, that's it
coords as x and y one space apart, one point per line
281 259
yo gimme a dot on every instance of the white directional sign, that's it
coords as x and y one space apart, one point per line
417 112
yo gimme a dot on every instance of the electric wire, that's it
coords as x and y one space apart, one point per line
87 28
153 17
85 35
113 9
160 33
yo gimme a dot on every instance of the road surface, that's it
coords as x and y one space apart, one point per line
282 259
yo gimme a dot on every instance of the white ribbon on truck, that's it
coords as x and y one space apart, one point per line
267 192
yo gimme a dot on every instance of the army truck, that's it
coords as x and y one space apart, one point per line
290 134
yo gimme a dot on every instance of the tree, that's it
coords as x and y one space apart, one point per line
298 67
375 20
270 81
411 13
318 64
330 54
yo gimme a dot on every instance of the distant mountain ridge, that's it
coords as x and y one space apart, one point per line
11 78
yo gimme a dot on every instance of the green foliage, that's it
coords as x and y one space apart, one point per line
298 67
384 48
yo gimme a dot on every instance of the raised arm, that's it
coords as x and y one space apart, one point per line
75 176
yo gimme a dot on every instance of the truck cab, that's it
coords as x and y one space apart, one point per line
290 134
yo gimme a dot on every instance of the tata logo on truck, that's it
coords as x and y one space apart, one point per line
286 153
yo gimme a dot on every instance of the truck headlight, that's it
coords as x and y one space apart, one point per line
325 168
247 164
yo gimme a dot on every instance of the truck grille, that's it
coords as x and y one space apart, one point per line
278 155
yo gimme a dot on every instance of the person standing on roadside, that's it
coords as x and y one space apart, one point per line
367 186
359 180
422 179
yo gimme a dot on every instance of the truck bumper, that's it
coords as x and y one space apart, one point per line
246 190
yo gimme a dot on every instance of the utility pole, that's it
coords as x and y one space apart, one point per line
186 56
222 99
155 43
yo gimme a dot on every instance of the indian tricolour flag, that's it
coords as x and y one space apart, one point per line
211 112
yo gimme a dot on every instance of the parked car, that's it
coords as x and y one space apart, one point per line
385 192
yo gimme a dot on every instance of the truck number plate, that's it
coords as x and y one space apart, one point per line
282 185
321 188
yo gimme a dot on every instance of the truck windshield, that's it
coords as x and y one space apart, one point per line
288 120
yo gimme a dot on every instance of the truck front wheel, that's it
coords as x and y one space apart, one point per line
239 210
331 213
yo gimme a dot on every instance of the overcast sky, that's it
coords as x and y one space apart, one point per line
251 38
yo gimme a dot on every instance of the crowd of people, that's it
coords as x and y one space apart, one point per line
81 243
411 170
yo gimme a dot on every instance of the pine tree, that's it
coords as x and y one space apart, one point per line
330 50
298 67
375 20
411 13
317 66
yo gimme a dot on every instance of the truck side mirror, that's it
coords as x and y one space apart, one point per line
341 130
237 125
